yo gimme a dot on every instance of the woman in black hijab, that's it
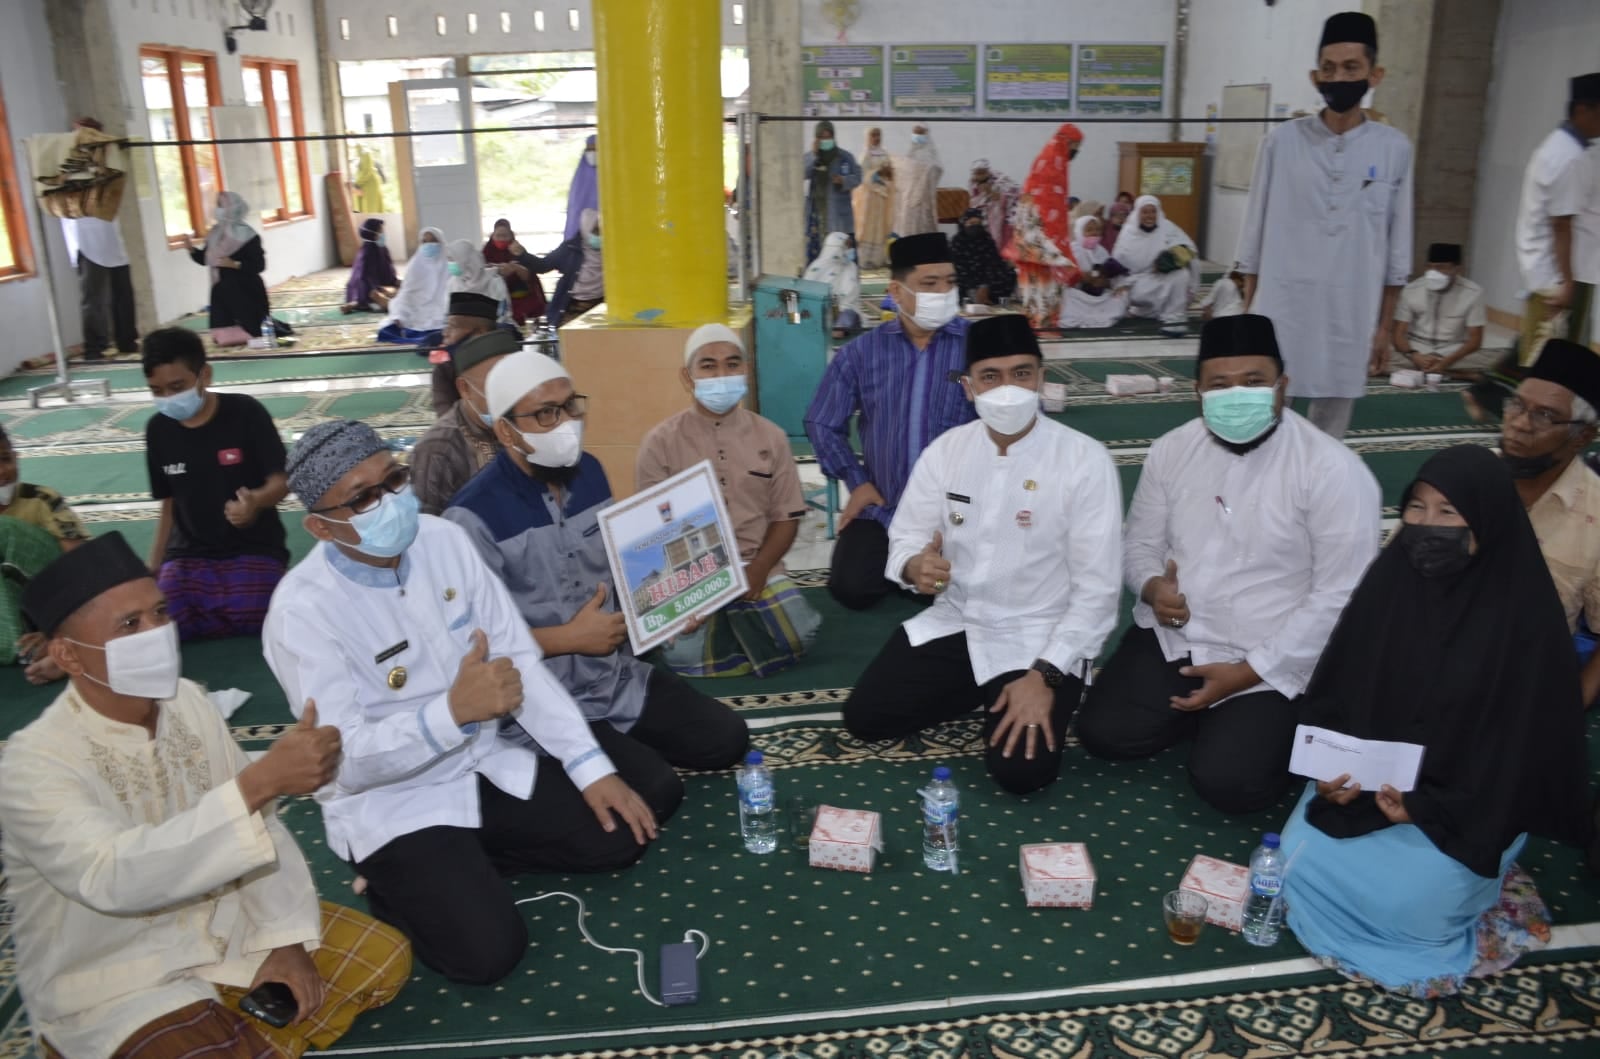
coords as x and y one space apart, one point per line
1455 640
982 275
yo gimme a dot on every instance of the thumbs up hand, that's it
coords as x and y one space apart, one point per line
302 759
1161 592
241 511
484 689
929 571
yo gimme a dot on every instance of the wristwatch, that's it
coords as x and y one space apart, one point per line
1052 676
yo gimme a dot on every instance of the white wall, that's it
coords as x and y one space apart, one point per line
1244 42
33 105
1539 46
418 33
1011 148
293 248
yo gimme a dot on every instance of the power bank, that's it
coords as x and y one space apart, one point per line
680 974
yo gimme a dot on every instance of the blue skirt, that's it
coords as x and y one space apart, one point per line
1387 905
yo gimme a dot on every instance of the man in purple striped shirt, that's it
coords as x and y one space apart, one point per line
903 380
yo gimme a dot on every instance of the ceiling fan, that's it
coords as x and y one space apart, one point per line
257 10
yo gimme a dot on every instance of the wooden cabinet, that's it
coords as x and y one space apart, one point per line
1176 173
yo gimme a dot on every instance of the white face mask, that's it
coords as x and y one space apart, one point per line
145 665
934 310
589 156
8 493
1435 280
562 447
1007 410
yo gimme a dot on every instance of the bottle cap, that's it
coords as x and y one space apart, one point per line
941 773
753 758
1270 840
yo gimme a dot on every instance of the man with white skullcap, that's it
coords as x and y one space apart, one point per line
773 625
533 515
414 650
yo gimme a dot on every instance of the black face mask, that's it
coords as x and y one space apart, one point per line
1436 551
1149 227
1342 96
1528 466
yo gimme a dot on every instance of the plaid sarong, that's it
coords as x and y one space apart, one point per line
1538 326
748 639
219 597
30 549
203 1030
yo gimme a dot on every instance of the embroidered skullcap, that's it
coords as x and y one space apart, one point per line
325 453
518 375
1006 335
55 593
707 334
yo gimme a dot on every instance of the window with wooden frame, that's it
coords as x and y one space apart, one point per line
16 247
180 88
275 85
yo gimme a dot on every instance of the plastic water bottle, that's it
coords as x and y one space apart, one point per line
1263 906
758 817
269 333
941 812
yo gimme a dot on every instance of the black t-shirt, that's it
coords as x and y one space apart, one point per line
202 468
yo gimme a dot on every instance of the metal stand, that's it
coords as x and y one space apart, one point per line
65 387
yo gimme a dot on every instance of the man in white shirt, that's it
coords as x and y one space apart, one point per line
416 653
1012 523
1438 325
105 282
152 882
1555 188
1247 533
1326 244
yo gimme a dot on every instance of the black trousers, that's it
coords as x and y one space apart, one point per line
1239 758
687 728
906 689
860 553
445 887
105 301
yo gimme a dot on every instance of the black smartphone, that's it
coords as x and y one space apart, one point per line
272 1003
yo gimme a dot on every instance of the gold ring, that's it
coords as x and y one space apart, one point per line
938 586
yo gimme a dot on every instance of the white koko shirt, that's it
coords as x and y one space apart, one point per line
345 634
1033 539
1269 545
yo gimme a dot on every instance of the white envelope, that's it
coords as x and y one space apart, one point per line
1323 754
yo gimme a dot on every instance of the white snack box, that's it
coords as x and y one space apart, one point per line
1055 397
1127 385
1224 885
1057 875
845 839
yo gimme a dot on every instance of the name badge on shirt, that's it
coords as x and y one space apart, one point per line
229 457
389 652
958 498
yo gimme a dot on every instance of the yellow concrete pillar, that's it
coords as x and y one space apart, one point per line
660 111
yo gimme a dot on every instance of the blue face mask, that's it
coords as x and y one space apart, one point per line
826 145
850 254
429 249
720 394
1239 414
455 269
388 529
181 406
483 417
381 240
593 241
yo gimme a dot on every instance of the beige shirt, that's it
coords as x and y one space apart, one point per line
1443 318
138 875
752 461
1566 520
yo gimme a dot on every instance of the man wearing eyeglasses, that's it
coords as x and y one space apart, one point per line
415 651
1544 429
533 515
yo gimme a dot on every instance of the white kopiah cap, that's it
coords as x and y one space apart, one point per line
705 335
517 375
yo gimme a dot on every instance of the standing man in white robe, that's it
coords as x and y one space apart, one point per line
1326 245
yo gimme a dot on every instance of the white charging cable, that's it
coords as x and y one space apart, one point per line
638 954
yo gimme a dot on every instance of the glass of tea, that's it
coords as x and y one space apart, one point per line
802 814
1186 914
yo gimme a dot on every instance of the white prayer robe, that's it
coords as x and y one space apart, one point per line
1556 183
1269 545
330 636
1033 538
1327 227
138 875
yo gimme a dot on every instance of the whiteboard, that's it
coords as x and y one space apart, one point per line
1237 143
247 168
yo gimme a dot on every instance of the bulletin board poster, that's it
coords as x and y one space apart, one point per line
934 78
842 80
1027 78
1121 80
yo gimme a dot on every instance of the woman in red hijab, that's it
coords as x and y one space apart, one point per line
501 252
1041 244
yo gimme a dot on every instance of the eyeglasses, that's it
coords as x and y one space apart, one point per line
550 414
1541 418
370 497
